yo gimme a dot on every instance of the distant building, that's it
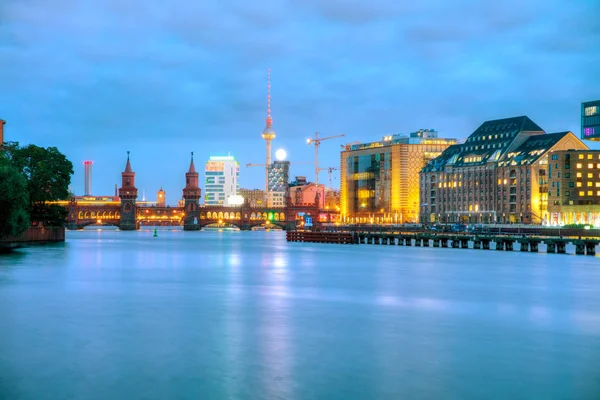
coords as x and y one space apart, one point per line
2 122
222 174
161 198
254 197
306 194
279 173
379 181
574 187
88 177
500 174
332 199
590 120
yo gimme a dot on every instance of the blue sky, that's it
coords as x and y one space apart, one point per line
98 78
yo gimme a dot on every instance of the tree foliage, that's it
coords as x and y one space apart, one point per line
14 219
47 174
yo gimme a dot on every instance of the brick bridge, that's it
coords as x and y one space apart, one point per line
124 212
243 217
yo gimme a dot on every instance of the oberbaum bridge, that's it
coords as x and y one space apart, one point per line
128 215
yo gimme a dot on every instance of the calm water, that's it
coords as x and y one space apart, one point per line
245 315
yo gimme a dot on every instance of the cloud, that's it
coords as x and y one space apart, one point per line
99 77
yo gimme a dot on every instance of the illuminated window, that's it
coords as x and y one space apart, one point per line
578 184
578 165
597 184
593 110
589 184
590 165
598 193
588 131
590 175
581 193
579 174
590 193
589 156
580 156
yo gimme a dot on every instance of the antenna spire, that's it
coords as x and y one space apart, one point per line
269 118
192 156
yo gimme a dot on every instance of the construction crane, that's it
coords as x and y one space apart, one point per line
317 142
329 171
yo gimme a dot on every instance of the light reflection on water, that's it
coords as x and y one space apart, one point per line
246 315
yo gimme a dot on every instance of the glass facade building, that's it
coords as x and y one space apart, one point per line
590 120
380 180
278 183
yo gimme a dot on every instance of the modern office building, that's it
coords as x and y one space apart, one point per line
379 181
279 175
499 174
590 120
222 174
254 197
574 187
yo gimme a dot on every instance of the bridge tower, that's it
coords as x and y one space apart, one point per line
128 194
191 196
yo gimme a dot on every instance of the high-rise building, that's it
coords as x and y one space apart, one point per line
379 181
590 120
499 174
222 174
279 175
161 198
88 178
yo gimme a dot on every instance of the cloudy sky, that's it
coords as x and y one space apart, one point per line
97 78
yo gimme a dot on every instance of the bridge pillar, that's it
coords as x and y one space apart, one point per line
128 194
191 196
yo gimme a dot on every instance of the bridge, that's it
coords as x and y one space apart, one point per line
84 213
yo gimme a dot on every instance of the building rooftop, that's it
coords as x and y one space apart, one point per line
490 143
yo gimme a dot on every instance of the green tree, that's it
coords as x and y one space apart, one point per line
48 174
14 203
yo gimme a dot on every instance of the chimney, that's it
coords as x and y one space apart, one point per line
2 122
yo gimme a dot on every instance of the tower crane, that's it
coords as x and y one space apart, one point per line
317 142
329 171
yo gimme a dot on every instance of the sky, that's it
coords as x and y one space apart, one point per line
162 79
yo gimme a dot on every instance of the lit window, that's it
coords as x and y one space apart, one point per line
598 193
579 174
580 156
589 156
590 175
578 165
597 184
590 166
590 193
581 193
593 110
578 184
589 184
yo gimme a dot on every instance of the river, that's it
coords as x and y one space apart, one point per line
246 315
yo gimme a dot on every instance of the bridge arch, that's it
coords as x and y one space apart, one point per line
202 215
282 216
220 215
237 215
226 215
80 215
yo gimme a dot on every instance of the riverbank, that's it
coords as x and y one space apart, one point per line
34 235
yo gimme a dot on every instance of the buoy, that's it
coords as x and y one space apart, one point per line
155 233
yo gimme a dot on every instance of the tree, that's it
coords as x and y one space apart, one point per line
48 175
14 219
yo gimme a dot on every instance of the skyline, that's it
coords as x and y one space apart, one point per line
98 80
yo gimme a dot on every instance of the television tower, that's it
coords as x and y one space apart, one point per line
268 133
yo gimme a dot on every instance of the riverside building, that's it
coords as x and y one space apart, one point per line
498 175
379 181
574 187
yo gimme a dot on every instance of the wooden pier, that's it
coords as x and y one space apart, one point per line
583 246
